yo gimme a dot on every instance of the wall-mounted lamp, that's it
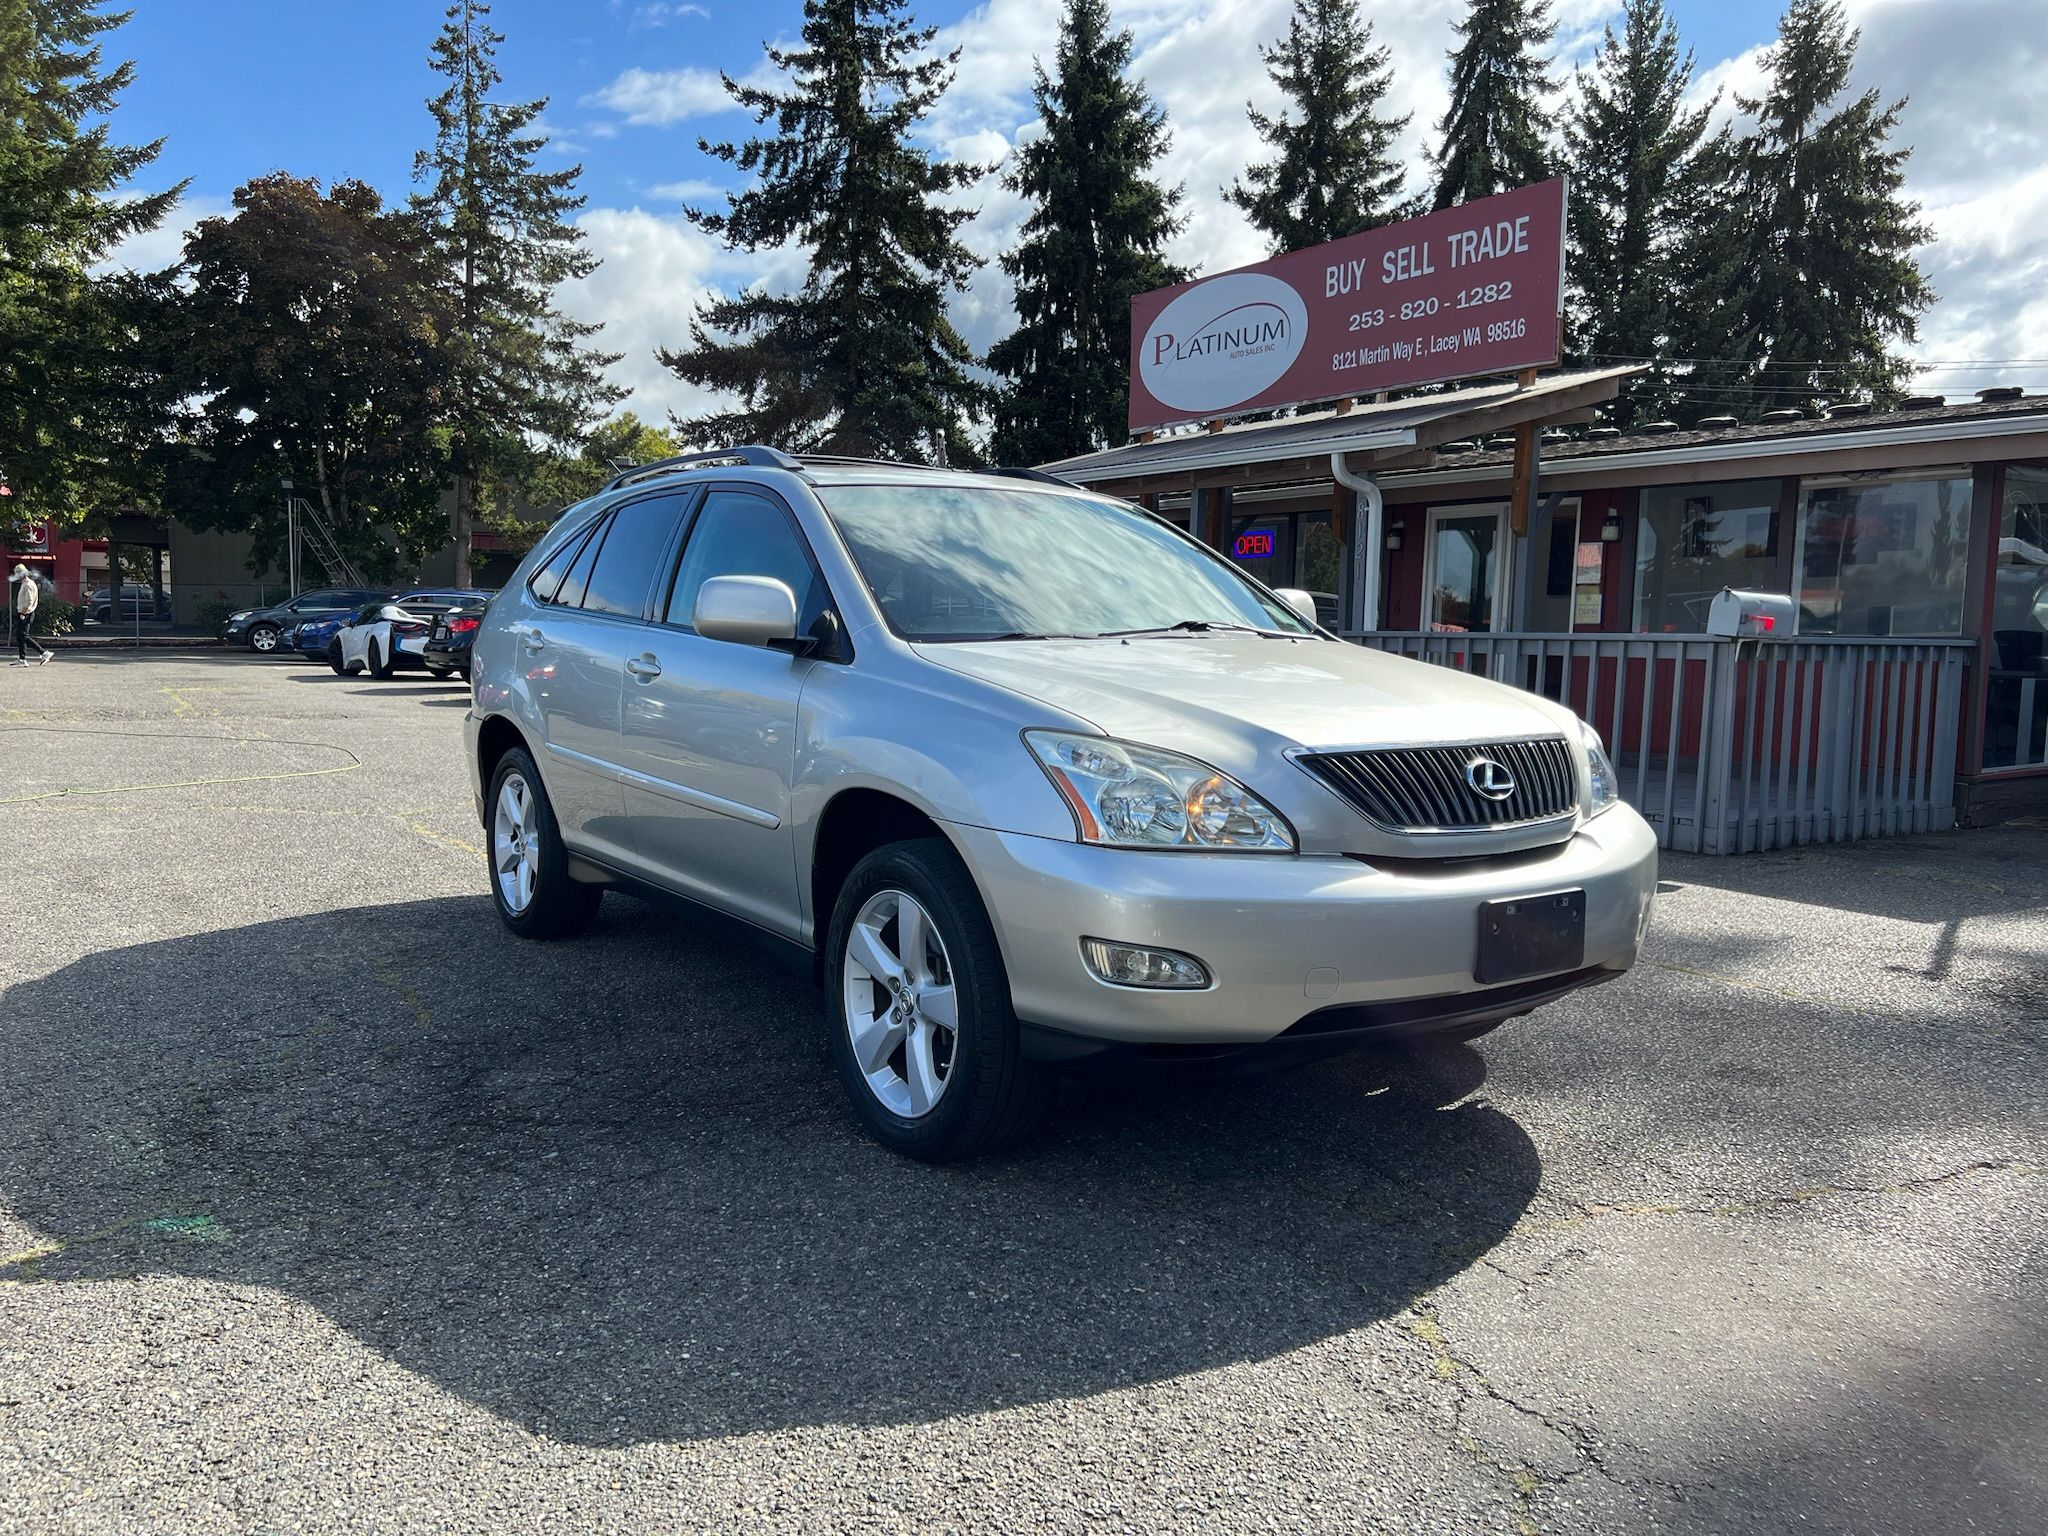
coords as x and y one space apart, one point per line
1394 534
1610 527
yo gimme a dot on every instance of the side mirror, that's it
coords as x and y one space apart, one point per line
747 610
1302 603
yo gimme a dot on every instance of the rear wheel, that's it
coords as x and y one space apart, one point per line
380 666
530 879
919 1004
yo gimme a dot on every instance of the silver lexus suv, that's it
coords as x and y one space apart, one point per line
1033 776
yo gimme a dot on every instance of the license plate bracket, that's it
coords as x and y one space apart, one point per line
1523 936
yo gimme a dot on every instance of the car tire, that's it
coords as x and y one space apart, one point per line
334 658
379 667
263 639
556 905
987 1095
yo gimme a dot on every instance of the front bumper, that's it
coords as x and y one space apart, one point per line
1285 937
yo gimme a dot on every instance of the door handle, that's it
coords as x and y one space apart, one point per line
533 641
644 667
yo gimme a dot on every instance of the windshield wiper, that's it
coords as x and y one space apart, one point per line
1193 627
1023 634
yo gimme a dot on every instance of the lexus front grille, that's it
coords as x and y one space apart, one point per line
1454 789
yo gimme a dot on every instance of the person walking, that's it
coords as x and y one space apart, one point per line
27 597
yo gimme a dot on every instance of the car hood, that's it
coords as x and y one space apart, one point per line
1208 692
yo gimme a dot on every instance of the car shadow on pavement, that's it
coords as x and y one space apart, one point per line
609 1188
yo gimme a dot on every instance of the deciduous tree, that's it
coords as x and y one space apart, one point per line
306 337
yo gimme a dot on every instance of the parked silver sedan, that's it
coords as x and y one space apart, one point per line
1033 776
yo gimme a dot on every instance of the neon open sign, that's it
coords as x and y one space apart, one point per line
1255 546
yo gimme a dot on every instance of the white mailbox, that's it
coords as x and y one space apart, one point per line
1751 615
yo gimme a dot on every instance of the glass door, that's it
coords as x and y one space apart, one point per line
1465 574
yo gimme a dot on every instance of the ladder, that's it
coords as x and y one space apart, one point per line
308 525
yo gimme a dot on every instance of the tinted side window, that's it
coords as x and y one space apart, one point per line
741 535
548 579
625 566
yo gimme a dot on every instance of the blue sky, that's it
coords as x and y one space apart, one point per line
238 88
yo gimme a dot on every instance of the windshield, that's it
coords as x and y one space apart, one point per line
977 563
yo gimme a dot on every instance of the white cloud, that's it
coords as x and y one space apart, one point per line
152 250
687 191
656 97
660 14
655 270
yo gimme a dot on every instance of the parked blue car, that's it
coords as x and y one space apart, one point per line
310 638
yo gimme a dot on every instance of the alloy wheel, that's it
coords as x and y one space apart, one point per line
902 1013
513 855
264 638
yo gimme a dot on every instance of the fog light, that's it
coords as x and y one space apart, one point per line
1131 965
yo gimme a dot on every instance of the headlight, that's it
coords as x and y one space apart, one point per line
236 618
1126 796
1599 771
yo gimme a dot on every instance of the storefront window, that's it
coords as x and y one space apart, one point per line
2016 707
1883 557
1697 539
1320 564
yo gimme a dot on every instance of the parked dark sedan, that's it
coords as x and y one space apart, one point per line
448 642
262 629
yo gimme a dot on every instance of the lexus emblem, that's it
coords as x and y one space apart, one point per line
1489 779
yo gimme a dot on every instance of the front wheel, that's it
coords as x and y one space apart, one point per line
263 639
919 1005
530 879
334 658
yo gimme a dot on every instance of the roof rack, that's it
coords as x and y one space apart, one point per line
857 460
1039 475
753 454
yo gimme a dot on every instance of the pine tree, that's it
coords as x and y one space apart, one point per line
519 370
1635 157
1093 240
1333 170
1494 130
74 411
1811 257
861 359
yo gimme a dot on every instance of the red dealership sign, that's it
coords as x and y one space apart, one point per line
1470 290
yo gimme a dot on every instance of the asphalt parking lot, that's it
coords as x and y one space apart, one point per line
326 1206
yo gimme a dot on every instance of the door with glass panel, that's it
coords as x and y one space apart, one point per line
1464 581
709 726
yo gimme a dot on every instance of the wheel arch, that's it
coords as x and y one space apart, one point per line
496 736
852 824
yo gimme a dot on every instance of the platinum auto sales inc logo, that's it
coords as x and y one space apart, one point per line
1223 342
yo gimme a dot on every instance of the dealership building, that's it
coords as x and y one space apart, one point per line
1500 527
1910 693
